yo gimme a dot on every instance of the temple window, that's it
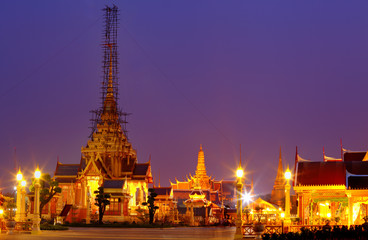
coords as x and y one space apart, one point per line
114 208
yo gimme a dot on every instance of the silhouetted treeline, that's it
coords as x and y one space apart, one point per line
359 232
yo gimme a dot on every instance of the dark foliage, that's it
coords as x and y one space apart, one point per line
49 187
151 204
324 233
102 200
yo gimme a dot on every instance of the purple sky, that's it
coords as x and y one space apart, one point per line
261 74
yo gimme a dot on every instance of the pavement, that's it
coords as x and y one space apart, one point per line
183 233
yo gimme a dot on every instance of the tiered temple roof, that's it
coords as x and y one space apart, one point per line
352 172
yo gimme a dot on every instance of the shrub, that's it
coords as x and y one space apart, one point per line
47 226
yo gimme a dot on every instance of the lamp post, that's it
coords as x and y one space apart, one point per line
19 197
282 215
1 219
23 183
239 204
287 220
36 211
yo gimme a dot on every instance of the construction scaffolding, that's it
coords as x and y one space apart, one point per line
110 71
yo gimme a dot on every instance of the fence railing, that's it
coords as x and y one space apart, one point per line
270 229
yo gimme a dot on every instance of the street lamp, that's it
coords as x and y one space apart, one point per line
239 204
18 214
287 197
36 212
1 219
282 215
23 183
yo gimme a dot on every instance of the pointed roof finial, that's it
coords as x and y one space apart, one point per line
280 171
341 150
280 153
295 164
159 179
153 182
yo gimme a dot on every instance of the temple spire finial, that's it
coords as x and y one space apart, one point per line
201 167
159 179
280 171
295 164
278 191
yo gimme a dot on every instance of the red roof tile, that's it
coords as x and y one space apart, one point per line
353 156
321 173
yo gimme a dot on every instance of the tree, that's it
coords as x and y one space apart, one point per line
102 200
151 204
48 189
9 205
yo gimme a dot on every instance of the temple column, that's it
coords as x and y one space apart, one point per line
332 209
88 210
122 200
192 214
301 208
84 193
141 195
73 193
350 206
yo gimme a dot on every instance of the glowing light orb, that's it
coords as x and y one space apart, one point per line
23 183
247 197
239 173
19 176
37 173
282 215
288 174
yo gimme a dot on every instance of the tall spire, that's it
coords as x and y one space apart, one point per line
201 167
295 165
280 171
109 112
110 49
110 89
278 191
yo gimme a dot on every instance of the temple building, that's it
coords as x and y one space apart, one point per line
108 159
335 190
201 198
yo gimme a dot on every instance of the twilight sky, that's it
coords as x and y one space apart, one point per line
262 74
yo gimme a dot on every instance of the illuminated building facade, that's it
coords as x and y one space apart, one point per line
108 159
333 190
201 199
